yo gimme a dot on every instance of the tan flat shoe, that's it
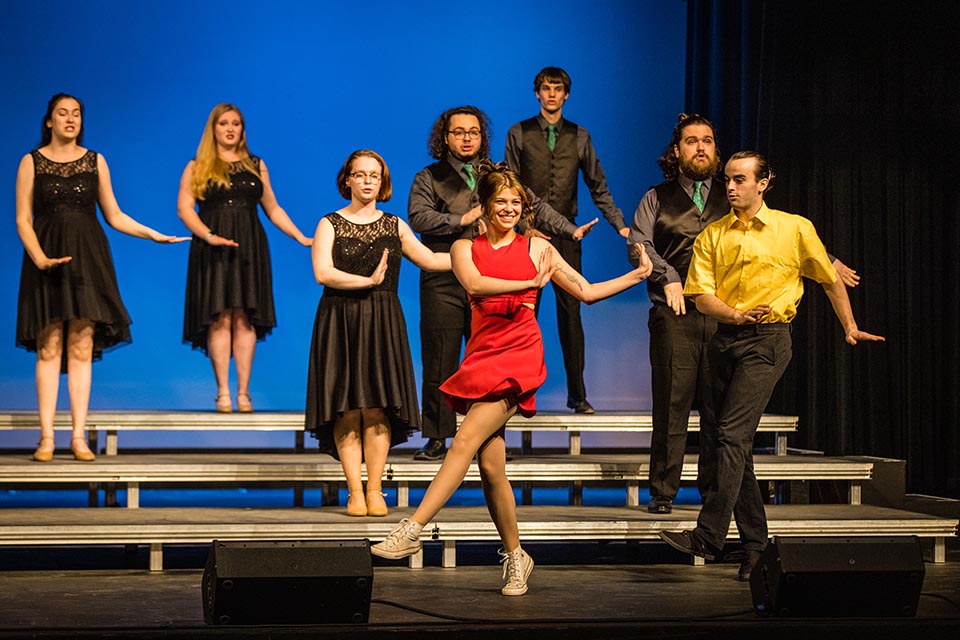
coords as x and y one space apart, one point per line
244 405
44 452
356 505
224 405
376 505
81 451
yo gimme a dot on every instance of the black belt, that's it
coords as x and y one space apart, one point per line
754 329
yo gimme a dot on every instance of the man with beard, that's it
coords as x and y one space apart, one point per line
667 221
549 152
443 206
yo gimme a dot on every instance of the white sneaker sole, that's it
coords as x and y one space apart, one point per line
519 592
394 555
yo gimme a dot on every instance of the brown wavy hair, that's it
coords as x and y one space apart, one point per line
386 185
209 169
668 162
494 178
437 143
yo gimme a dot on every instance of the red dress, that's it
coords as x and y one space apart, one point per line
504 355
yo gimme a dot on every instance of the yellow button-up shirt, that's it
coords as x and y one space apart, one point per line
759 262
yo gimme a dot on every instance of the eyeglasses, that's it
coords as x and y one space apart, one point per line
460 134
360 176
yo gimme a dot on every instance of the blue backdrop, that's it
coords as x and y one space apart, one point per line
316 82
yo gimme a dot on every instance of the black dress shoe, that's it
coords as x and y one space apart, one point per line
434 449
660 505
684 542
750 560
582 406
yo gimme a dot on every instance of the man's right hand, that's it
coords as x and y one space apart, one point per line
675 299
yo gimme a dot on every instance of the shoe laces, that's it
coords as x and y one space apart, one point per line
512 565
402 530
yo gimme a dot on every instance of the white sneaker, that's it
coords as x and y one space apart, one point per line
516 569
403 541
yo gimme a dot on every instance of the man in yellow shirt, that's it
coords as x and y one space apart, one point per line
746 273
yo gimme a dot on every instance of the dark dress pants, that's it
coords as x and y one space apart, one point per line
569 325
746 362
444 325
680 376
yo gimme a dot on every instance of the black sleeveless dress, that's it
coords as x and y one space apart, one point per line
221 278
359 354
65 220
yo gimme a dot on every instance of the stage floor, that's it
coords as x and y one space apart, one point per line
580 590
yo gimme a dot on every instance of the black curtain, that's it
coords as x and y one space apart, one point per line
856 105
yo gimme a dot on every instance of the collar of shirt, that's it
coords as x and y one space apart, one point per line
457 163
760 220
543 123
687 185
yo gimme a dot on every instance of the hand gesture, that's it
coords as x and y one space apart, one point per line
49 263
645 266
533 232
855 335
162 239
754 315
582 231
220 241
675 299
305 241
546 269
846 274
381 271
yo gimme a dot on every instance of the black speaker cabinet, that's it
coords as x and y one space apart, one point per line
267 582
838 577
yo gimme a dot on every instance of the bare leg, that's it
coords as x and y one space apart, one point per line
346 435
49 349
79 375
244 346
497 490
218 348
376 446
483 419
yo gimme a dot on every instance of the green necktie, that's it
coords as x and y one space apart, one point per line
471 181
697 196
551 136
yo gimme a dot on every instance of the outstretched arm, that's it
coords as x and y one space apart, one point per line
275 212
568 279
837 293
186 203
117 218
419 254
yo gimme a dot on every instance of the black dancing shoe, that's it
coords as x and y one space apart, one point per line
582 407
660 505
750 560
684 542
434 449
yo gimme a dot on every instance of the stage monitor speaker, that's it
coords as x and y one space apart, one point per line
287 582
838 577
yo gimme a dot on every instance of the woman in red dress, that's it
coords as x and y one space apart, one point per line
503 365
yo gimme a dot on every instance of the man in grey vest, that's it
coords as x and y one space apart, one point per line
667 221
443 206
549 153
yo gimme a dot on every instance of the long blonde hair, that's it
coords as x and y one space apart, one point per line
209 169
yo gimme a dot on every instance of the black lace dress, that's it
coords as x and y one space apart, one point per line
359 354
65 220
221 278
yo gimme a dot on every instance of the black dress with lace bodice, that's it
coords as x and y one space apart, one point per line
65 220
221 278
359 354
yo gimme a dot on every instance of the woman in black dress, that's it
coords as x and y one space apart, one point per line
229 300
361 391
69 309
